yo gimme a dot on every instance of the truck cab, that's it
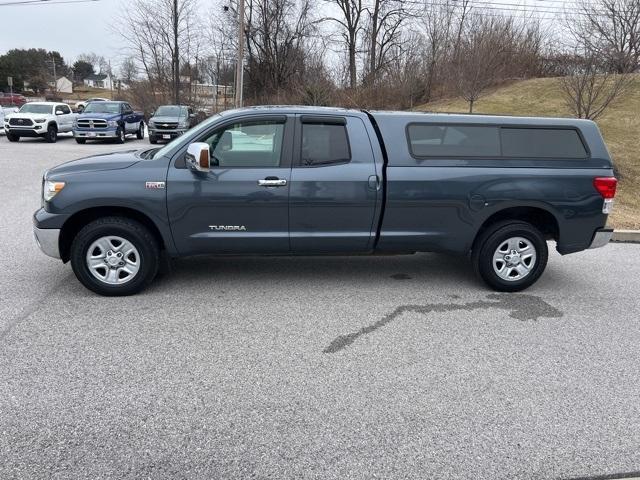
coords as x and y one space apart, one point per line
108 120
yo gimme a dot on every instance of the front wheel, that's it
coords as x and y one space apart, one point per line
140 132
120 135
510 256
81 141
115 256
52 134
12 137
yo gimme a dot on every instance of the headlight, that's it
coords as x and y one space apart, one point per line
50 189
39 120
183 125
112 123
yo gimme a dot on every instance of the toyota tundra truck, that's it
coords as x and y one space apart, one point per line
323 181
108 121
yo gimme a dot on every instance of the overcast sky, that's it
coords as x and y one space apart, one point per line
69 29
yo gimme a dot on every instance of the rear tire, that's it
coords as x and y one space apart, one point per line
510 255
140 132
12 137
111 237
52 134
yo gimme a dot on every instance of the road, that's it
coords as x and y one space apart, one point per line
327 368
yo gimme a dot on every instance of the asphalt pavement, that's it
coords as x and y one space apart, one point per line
324 368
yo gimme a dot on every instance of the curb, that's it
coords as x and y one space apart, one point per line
626 236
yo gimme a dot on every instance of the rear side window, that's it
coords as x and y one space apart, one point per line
324 144
542 143
429 140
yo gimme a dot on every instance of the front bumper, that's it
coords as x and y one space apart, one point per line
35 131
160 134
48 240
601 237
89 134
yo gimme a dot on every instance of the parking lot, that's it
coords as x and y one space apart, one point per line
328 368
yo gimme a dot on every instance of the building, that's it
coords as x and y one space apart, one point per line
99 80
64 85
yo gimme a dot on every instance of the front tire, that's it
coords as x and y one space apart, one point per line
81 141
510 255
120 135
115 256
140 132
52 134
152 139
12 137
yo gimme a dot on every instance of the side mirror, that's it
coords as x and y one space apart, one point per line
192 115
197 157
59 112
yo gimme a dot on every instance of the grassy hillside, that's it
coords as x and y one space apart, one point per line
620 126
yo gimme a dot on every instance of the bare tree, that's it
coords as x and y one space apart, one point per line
350 22
158 32
128 70
610 29
589 88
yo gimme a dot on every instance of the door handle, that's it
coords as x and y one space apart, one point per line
272 182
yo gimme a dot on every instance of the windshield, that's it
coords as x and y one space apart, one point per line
187 137
102 107
171 111
34 108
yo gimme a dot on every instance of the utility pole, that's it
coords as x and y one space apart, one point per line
55 79
240 59
176 55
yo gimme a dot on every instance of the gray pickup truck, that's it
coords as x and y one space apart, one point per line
323 181
170 121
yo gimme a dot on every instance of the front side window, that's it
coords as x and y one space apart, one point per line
255 144
324 144
65 109
429 140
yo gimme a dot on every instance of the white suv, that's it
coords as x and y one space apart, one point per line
39 119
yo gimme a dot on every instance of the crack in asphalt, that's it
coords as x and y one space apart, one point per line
32 307
520 306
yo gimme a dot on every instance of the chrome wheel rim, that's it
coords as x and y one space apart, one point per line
514 259
113 260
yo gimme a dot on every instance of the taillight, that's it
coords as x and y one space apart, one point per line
606 186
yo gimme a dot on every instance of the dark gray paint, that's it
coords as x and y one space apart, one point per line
435 204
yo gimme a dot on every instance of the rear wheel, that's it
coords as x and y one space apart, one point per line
115 256
140 132
12 137
52 134
510 256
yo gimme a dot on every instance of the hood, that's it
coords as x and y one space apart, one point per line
31 116
102 116
163 119
105 161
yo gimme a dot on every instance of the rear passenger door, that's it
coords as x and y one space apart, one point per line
334 188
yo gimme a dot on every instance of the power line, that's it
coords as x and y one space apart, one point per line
23 3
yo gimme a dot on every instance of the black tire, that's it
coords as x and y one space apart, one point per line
52 134
496 235
128 229
81 141
140 132
120 135
153 139
12 137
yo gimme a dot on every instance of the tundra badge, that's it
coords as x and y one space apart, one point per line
154 185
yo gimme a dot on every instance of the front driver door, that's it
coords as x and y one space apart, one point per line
241 205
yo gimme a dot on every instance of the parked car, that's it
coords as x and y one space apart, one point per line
4 111
39 119
80 106
170 121
12 100
296 180
108 120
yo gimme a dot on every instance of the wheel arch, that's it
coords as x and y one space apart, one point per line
81 218
541 218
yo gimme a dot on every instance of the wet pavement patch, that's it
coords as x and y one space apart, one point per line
520 306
